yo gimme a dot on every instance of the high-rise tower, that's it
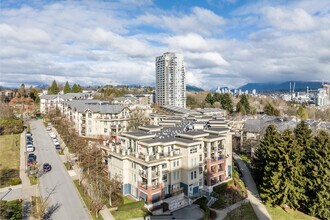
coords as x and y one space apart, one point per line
170 80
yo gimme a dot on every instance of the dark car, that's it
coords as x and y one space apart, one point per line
47 167
29 143
32 159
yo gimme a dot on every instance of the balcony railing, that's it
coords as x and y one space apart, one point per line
177 191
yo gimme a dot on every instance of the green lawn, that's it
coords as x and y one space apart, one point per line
279 214
127 200
86 199
134 213
10 158
244 212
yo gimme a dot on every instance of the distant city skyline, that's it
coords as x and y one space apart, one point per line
224 42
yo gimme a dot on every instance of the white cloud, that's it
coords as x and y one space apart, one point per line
289 19
116 42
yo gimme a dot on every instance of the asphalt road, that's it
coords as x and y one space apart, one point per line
64 202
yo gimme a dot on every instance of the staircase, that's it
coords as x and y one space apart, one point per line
211 201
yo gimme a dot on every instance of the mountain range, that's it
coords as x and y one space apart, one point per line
283 86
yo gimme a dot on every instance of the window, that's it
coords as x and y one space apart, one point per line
105 130
177 163
191 175
165 178
193 150
200 182
89 115
173 163
195 174
200 157
105 123
164 166
134 178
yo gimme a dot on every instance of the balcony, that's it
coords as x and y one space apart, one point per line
177 191
219 173
144 174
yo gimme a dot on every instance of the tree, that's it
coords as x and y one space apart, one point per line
283 182
264 152
191 101
302 113
67 88
33 93
226 102
137 118
270 110
243 106
318 176
209 98
53 89
21 93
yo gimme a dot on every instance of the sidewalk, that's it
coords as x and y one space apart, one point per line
253 195
75 173
221 214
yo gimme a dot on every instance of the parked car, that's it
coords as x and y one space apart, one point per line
29 143
28 134
32 159
29 148
47 167
52 135
49 128
57 146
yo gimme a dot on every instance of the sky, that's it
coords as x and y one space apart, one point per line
224 42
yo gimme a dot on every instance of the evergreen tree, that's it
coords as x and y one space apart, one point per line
67 88
318 176
243 105
75 88
283 182
264 153
209 98
79 88
226 102
53 89
270 110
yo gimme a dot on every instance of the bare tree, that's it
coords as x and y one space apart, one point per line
138 118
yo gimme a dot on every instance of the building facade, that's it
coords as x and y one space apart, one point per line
170 80
94 118
157 163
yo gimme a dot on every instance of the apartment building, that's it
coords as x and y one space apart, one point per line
48 102
94 118
170 80
159 162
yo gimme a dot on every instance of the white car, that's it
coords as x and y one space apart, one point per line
55 140
49 128
29 148
52 135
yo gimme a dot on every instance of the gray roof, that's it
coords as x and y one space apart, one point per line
260 125
194 133
67 96
95 106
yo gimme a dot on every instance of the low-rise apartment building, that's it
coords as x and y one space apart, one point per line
94 118
157 162
48 102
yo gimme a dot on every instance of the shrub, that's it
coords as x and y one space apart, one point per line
202 204
129 206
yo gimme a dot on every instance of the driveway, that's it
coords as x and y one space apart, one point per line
64 202
253 195
189 212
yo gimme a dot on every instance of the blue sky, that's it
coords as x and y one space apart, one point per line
224 42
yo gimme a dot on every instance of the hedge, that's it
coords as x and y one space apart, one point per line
129 206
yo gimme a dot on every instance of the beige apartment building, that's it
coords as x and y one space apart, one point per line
160 162
94 118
